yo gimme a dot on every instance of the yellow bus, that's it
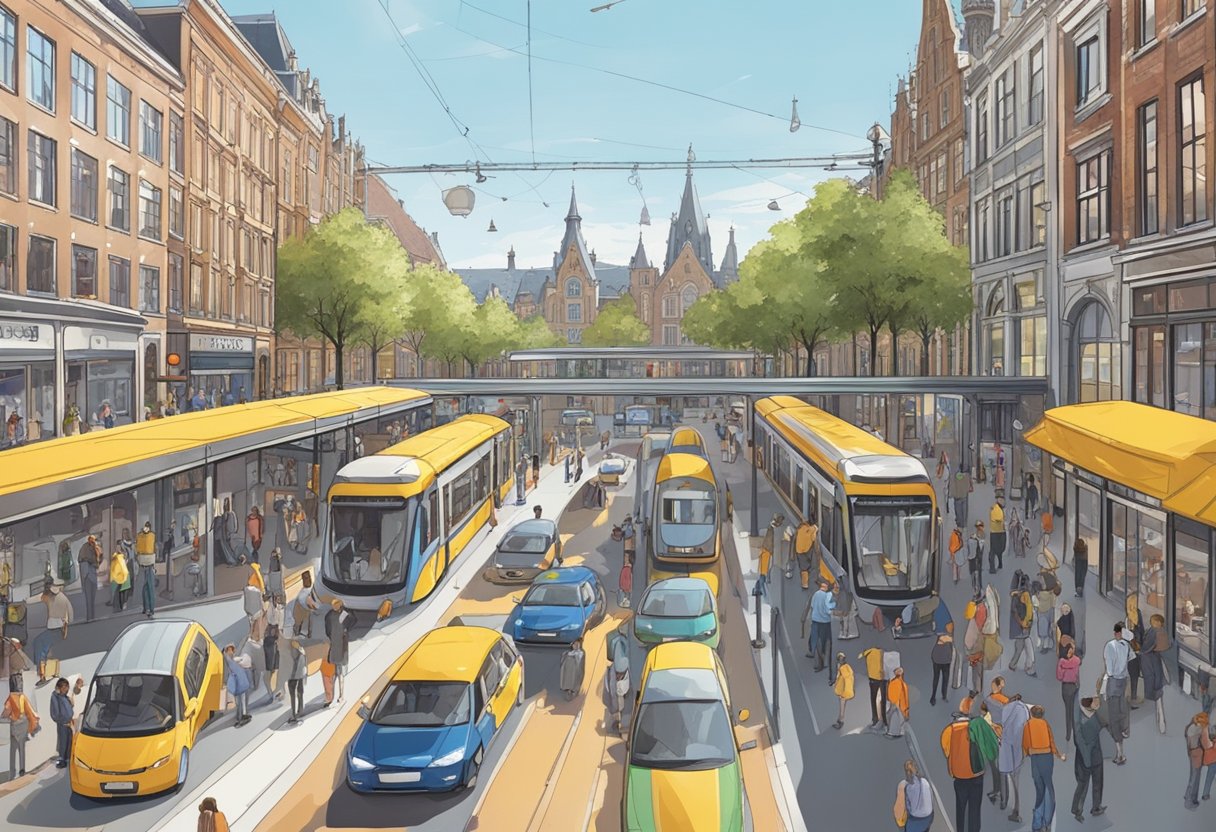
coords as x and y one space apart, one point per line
400 518
874 504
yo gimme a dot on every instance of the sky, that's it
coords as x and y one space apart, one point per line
840 58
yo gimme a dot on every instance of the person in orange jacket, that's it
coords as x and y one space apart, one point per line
1039 744
23 724
899 709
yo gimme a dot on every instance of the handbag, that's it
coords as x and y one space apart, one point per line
901 807
956 671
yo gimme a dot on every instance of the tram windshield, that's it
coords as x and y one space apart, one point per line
367 543
894 544
688 518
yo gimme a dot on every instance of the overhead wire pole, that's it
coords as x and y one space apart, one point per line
851 161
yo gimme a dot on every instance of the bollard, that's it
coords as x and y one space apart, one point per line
758 641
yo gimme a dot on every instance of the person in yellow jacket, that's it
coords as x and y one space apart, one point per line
120 579
804 548
23 723
996 535
145 559
843 688
766 554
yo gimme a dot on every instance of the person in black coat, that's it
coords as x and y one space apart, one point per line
1087 763
1080 564
339 621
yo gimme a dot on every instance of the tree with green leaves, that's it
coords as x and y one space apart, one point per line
430 292
328 279
535 334
940 304
617 325
449 327
492 330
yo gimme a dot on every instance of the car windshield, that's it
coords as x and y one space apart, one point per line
683 735
130 705
552 595
532 544
367 543
677 603
894 543
423 705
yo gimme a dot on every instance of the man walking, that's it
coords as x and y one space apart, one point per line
968 782
878 685
145 558
1021 616
996 535
1014 717
62 714
766 553
805 540
942 656
1039 744
1087 766
960 489
975 556
821 605
90 561
1115 656
901 709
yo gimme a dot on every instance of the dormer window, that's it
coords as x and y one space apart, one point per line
574 288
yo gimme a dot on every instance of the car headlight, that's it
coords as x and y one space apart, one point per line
360 764
83 764
160 762
519 622
712 631
575 625
449 759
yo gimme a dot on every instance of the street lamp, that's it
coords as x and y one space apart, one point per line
607 6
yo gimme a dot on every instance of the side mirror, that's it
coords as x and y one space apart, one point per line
364 709
191 709
517 599
744 715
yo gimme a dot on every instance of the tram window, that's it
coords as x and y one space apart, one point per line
781 464
893 544
424 523
433 516
798 475
460 498
368 543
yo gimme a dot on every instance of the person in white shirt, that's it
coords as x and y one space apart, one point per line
1115 655
915 798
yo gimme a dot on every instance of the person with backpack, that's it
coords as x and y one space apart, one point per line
1039 745
1021 616
23 723
805 541
975 555
955 546
1045 611
942 655
966 761
1209 761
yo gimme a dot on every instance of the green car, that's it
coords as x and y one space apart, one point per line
677 609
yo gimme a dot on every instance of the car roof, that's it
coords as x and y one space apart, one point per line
677 655
534 526
147 648
680 584
565 575
682 684
448 654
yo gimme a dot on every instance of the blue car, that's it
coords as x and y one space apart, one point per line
559 607
429 728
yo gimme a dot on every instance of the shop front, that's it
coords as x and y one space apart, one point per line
222 368
99 367
1138 490
27 381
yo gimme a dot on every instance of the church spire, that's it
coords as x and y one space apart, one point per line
689 225
640 260
729 272
572 214
574 237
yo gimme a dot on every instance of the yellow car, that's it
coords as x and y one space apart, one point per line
153 692
683 769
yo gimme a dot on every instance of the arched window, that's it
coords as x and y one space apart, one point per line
688 297
574 288
994 334
1099 369
646 307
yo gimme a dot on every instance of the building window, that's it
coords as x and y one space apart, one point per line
981 127
671 335
574 313
994 336
8 157
84 272
1093 198
118 112
1192 579
1038 214
120 200
959 158
40 265
981 231
1004 224
687 298
645 308
1146 167
149 289
177 215
942 166
8 258
1005 120
150 131
670 306
1187 392
1035 113
149 210
42 168
177 144
1098 353
40 68
84 186
1089 70
196 289
84 92
924 126
574 288
1192 140
1149 369
1032 353
574 336
8 50
175 282
120 282
1190 7
945 108
1146 21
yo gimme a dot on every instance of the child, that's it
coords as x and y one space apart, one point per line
625 587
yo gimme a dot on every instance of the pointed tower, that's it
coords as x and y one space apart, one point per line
643 280
577 289
978 16
573 243
729 272
689 226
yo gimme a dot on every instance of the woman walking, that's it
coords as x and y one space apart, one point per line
23 723
238 682
1152 665
1066 631
1198 742
843 688
913 801
210 818
296 674
120 579
1045 612
1080 562
339 621
1068 672
572 669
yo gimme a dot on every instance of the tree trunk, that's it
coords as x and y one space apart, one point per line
375 356
339 375
925 338
472 367
894 349
811 369
874 350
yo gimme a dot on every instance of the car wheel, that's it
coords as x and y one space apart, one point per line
470 782
183 769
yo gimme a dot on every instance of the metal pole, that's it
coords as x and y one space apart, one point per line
758 641
755 513
776 676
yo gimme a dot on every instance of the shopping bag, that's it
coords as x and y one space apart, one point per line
956 671
51 668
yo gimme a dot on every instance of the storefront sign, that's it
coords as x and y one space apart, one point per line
15 335
220 343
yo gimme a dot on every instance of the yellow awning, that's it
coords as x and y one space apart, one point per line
1167 455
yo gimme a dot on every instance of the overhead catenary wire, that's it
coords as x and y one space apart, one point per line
851 161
